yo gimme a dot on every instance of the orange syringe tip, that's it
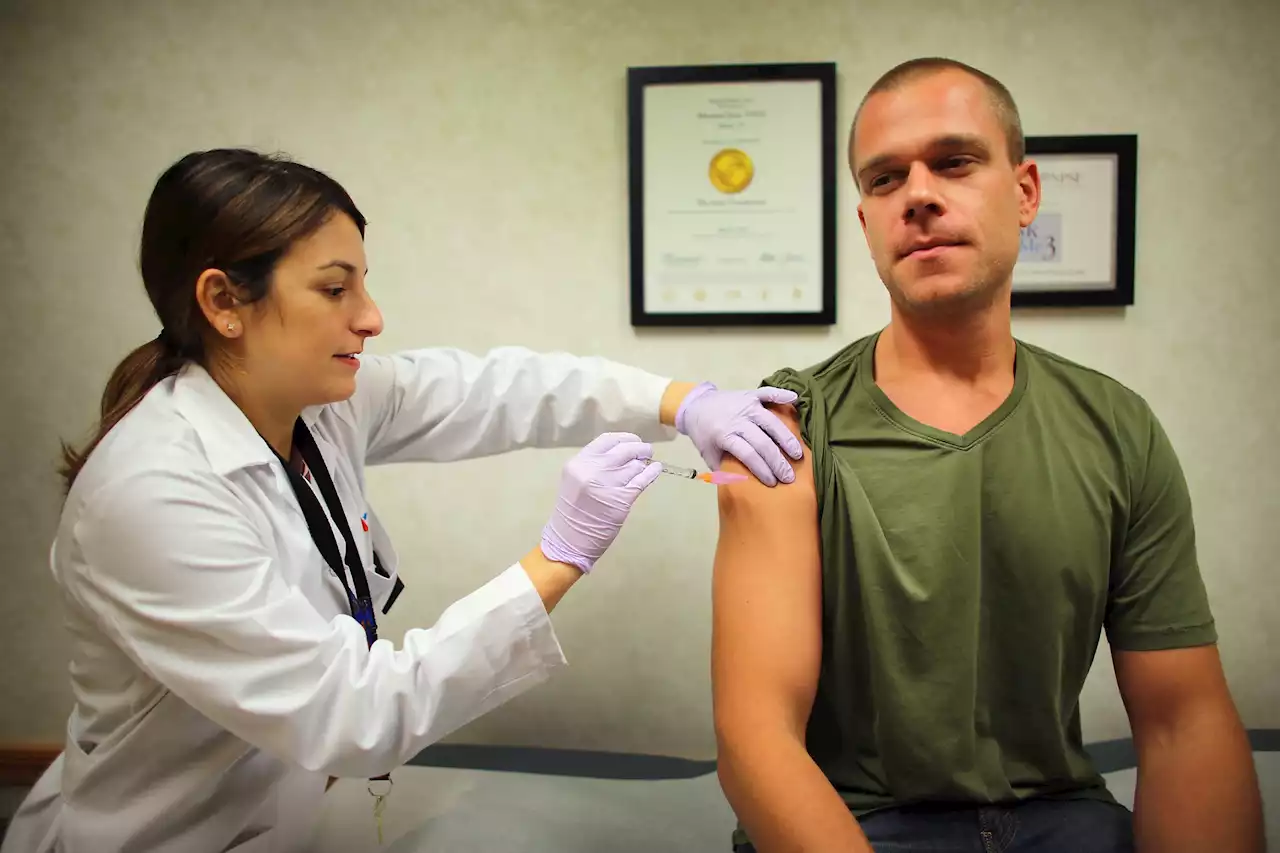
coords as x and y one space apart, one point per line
720 478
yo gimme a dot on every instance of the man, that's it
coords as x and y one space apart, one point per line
901 636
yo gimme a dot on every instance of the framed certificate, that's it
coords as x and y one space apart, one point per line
1079 250
732 194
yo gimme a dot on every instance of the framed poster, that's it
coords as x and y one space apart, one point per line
1079 250
732 194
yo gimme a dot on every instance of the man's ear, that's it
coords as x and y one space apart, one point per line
1028 175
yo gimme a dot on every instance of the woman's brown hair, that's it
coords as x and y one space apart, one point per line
233 210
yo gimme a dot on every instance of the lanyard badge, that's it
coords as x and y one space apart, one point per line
362 610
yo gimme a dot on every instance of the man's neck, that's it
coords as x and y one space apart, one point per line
973 348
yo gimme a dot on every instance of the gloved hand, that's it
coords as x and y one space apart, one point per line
597 489
736 422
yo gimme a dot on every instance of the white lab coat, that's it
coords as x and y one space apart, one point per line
218 677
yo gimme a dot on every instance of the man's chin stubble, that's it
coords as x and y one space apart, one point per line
967 300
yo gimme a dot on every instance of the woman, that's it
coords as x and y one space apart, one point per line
216 543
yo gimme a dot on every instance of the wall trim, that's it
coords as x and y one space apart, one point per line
1108 756
22 764
546 761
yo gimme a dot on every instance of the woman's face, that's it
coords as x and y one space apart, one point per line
300 342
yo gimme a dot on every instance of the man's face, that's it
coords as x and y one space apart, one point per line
941 204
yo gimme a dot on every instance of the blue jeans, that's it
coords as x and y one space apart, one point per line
1036 826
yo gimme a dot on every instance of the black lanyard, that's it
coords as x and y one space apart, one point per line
361 602
359 599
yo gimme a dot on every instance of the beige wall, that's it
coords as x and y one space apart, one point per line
486 143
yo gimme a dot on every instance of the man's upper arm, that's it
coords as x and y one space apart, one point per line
767 599
1163 689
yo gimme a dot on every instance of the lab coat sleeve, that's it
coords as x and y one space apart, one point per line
444 404
180 577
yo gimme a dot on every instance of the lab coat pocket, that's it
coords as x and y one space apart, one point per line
384 579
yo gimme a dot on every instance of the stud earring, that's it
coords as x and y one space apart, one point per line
231 327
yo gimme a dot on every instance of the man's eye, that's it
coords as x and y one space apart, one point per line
335 291
879 182
953 163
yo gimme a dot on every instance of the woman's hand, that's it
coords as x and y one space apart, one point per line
597 490
737 423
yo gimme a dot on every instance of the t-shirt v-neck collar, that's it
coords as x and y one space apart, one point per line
887 408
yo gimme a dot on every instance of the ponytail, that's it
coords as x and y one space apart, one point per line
139 372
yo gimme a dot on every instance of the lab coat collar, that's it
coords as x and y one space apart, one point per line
230 441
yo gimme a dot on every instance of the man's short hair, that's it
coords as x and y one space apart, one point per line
1001 100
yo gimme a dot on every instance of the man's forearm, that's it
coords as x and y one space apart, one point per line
784 801
1198 790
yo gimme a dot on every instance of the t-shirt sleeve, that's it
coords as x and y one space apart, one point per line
1157 598
790 379
810 408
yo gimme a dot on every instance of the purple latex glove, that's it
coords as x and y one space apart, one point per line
737 423
597 490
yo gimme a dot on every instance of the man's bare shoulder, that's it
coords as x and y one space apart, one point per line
750 501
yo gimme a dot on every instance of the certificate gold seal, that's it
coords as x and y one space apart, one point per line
731 170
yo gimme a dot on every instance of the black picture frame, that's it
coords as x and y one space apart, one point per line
638 80
1118 288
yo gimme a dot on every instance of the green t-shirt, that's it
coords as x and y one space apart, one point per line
966 579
